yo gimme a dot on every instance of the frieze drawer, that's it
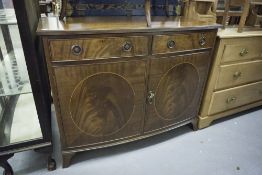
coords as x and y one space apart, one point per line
182 42
98 48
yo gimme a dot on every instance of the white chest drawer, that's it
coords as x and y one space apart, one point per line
242 49
237 74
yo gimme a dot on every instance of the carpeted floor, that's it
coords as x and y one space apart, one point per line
230 146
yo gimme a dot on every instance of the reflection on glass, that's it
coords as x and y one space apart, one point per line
18 117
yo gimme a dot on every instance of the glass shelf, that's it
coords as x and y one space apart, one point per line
14 78
13 72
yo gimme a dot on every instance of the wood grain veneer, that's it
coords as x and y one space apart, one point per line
99 100
98 48
178 85
183 42
119 24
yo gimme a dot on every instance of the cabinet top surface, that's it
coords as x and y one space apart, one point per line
120 24
232 33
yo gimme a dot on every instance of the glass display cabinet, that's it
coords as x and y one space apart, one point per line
25 108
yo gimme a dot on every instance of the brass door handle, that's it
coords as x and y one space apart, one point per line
127 46
76 50
237 74
150 97
243 52
231 100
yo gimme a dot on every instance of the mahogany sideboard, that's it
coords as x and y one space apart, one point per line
115 80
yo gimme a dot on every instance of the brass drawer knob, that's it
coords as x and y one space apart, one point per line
243 52
237 74
127 46
202 40
231 100
171 44
76 50
150 97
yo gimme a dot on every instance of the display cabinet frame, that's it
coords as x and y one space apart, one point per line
27 14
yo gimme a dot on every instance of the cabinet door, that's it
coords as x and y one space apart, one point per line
175 88
101 103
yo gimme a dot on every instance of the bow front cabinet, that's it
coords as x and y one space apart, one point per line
115 80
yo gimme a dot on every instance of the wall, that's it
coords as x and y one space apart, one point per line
6 4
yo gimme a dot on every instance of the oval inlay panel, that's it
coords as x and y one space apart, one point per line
176 91
102 104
